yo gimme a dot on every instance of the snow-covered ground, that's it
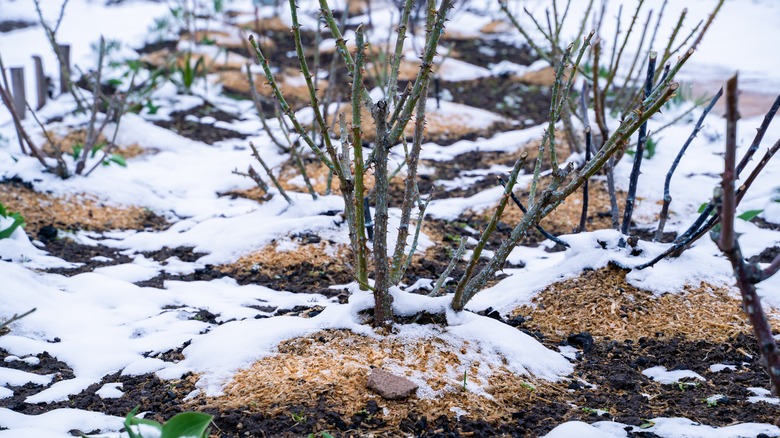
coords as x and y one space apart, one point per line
106 324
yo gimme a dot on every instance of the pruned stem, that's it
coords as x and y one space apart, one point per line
640 152
410 184
383 312
539 228
333 166
269 173
552 197
461 296
259 109
437 288
357 146
313 99
668 181
584 214
727 241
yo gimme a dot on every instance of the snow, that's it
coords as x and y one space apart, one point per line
100 323
661 375
110 390
718 367
56 423
12 377
762 395
681 427
583 430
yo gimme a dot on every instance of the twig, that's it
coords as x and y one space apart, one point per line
461 296
614 66
539 228
552 196
313 99
668 181
447 271
410 184
302 168
251 173
584 214
269 173
16 317
699 227
417 230
259 108
640 152
288 111
668 50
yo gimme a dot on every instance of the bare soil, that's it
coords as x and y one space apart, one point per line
317 383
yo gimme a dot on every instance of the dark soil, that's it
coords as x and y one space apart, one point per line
489 51
613 368
74 252
766 256
526 104
158 45
11 25
206 133
763 223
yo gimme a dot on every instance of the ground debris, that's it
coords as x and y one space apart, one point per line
390 386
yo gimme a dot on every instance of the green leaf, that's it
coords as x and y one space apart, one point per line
131 420
326 435
97 149
3 212
647 424
187 424
750 214
650 147
703 206
77 148
115 158
18 222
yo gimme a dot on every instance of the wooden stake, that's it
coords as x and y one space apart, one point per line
17 86
64 67
41 84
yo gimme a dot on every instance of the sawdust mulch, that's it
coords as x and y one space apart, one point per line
603 303
332 366
72 213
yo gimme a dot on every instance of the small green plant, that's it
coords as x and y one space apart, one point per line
465 377
650 147
587 68
18 221
107 159
366 414
298 418
186 73
713 401
185 424
528 386
322 434
682 386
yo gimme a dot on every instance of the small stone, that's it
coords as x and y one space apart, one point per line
390 386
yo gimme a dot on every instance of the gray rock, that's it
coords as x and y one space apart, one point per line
390 386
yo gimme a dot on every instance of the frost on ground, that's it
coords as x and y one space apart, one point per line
136 303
